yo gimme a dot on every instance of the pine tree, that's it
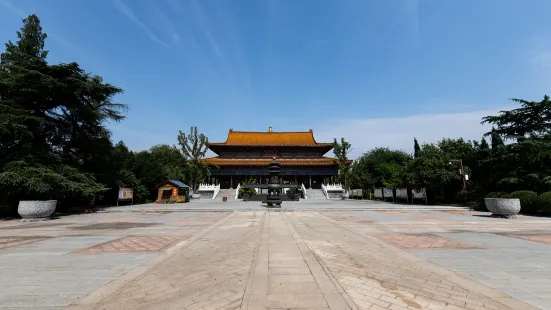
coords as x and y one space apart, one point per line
52 123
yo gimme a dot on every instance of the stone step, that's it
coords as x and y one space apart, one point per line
230 193
315 194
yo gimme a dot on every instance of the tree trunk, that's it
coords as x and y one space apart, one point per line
195 177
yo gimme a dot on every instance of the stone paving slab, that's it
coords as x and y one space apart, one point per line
133 245
9 242
279 260
407 241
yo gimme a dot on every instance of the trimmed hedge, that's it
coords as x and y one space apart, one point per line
497 195
543 202
527 200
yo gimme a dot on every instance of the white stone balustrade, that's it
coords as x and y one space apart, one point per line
334 187
204 187
334 190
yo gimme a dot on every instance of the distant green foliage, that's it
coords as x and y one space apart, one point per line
416 148
247 191
194 147
341 151
497 195
293 191
527 200
381 167
543 202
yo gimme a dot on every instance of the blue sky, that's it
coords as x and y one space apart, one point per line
376 72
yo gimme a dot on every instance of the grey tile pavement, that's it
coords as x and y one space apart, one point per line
48 274
519 268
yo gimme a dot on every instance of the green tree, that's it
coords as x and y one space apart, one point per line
532 119
359 177
194 148
496 140
170 160
341 151
416 148
384 167
484 145
54 125
526 164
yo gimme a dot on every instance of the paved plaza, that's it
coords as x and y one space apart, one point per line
311 255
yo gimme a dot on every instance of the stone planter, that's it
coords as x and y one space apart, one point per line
36 209
293 197
195 196
345 195
506 207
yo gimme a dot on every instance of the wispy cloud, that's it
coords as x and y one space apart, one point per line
126 11
10 6
206 29
398 132
163 23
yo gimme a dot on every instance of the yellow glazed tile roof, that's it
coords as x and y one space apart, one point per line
269 138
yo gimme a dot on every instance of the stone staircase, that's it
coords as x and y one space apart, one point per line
206 195
314 194
230 193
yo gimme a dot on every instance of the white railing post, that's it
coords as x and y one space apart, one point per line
324 191
216 190
304 191
237 191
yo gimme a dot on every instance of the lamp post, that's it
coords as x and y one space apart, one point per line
462 171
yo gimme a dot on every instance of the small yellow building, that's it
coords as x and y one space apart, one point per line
173 191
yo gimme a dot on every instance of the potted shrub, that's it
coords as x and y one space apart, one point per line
509 206
195 195
246 193
345 195
293 194
36 209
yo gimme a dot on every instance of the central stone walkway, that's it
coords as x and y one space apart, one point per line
286 274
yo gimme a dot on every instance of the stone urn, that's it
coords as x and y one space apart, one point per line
345 195
36 209
505 207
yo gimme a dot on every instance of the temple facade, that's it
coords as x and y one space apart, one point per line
247 154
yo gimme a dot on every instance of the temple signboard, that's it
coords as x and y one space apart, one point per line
401 193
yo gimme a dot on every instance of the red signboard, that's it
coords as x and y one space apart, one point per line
174 192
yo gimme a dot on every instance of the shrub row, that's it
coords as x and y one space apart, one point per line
530 202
